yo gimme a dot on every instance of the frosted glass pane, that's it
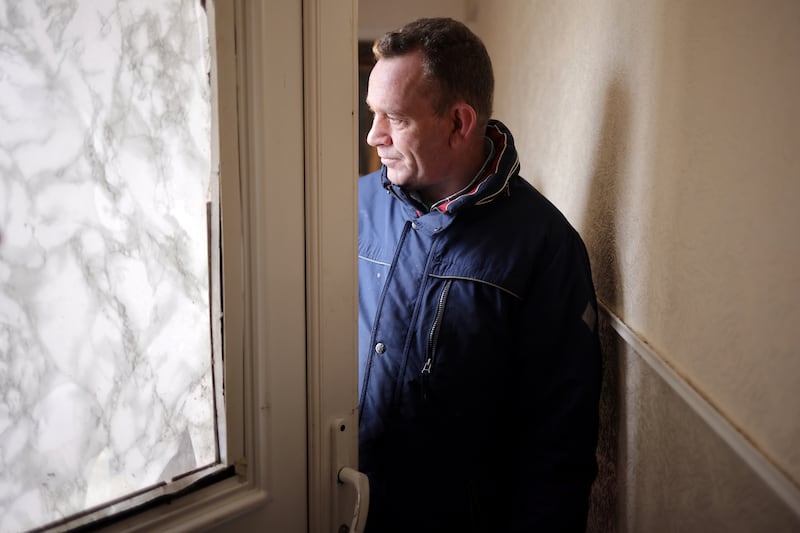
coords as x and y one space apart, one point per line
105 357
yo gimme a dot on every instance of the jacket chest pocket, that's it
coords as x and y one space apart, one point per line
465 339
433 338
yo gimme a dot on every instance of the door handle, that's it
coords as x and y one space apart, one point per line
360 482
343 442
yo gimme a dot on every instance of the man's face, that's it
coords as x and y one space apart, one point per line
411 140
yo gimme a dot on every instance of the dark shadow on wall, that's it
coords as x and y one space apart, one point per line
368 160
601 236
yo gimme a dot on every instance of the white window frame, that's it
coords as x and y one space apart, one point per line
285 109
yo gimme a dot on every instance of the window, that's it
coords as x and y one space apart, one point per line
285 157
106 204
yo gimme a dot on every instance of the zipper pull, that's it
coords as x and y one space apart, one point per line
427 368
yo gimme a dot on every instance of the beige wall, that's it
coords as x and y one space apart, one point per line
670 135
668 132
375 17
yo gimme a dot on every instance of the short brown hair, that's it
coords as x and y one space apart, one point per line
454 59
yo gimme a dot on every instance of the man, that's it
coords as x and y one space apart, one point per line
479 363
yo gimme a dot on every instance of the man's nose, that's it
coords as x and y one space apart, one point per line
378 134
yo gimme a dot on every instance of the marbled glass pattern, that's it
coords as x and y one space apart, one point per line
105 353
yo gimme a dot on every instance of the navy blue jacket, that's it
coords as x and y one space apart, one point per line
479 360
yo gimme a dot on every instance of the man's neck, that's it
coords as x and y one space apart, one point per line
477 163
469 164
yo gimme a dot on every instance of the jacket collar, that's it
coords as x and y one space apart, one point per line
491 181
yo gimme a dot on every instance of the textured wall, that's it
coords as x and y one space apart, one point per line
667 131
663 466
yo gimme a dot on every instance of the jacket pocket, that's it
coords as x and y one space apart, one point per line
433 337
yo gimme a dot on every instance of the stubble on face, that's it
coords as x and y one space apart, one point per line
410 138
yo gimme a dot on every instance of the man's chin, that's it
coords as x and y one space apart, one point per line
396 178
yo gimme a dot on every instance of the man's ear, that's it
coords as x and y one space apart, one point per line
464 120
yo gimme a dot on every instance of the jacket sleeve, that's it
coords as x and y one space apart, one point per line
558 389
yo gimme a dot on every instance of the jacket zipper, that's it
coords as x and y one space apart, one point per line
433 336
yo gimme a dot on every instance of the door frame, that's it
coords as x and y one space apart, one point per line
331 125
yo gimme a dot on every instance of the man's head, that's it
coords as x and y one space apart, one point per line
431 94
455 62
